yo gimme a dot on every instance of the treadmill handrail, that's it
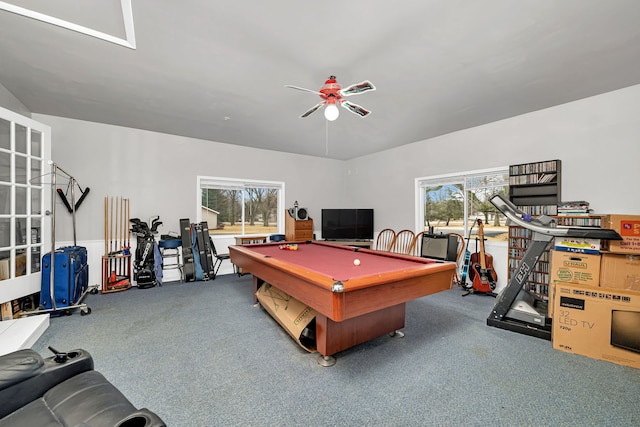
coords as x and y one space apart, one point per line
516 216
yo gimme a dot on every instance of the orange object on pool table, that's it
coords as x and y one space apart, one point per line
354 303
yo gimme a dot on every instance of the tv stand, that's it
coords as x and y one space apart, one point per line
357 243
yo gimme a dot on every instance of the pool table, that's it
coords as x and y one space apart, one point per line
354 303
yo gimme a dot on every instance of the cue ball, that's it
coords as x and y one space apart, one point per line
356 261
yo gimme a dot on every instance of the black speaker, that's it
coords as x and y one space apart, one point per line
439 246
301 214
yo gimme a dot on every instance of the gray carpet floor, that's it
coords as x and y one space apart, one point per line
200 354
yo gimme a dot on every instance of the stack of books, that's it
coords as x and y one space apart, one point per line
577 207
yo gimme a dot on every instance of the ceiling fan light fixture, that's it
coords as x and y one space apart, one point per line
331 112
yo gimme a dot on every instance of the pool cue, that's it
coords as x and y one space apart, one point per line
121 235
111 239
106 214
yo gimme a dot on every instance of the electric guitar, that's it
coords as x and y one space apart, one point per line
465 264
485 277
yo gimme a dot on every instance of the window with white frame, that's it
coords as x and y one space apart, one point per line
241 207
454 203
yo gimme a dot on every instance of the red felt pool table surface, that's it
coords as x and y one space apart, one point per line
354 303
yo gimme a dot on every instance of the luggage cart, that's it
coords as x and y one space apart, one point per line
67 266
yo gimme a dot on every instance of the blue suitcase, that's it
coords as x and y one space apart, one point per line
71 277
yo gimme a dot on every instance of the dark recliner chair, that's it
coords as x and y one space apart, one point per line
63 390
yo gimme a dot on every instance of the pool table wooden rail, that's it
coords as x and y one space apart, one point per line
361 295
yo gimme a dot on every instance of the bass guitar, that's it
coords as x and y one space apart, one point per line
467 259
485 277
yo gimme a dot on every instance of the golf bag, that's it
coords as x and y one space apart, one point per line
145 272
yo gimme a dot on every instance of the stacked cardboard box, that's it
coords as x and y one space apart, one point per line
600 323
620 266
620 271
628 226
576 268
599 316
6 311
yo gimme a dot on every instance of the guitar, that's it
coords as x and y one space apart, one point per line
485 277
465 264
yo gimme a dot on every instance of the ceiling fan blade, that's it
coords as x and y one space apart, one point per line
303 89
357 88
355 109
312 109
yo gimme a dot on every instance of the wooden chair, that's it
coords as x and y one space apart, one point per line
385 239
402 242
416 245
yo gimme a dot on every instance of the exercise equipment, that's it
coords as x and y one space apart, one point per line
516 309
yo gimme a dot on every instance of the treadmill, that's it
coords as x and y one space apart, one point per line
516 309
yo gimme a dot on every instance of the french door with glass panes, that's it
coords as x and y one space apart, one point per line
25 150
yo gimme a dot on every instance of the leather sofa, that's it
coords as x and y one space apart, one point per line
63 390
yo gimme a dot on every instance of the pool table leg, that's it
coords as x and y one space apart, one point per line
257 282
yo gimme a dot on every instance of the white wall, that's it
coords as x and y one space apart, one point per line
157 172
597 139
10 102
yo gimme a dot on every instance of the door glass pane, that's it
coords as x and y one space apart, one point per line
5 200
21 262
5 272
21 231
35 231
5 232
5 167
21 169
36 200
36 172
21 201
36 143
21 139
36 239
5 134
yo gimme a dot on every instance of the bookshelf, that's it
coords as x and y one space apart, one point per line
535 189
578 220
538 283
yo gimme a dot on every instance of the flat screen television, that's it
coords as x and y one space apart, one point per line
625 329
347 224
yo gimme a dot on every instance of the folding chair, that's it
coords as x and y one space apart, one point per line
219 258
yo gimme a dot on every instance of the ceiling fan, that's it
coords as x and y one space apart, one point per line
332 93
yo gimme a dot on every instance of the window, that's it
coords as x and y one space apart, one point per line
453 203
24 149
241 207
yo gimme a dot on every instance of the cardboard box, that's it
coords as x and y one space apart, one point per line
620 271
597 322
5 267
628 226
6 310
577 268
294 316
578 245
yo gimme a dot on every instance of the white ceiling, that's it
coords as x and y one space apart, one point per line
216 70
